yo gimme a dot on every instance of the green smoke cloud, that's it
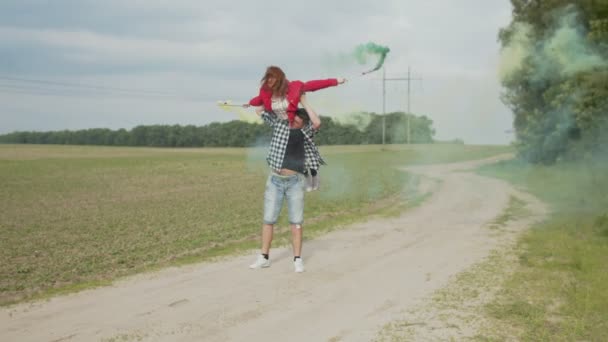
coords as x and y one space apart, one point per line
554 77
364 51
568 50
564 53
360 120
513 56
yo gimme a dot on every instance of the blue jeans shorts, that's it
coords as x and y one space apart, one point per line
280 188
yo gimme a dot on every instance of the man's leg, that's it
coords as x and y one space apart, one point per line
296 237
263 260
273 199
295 206
267 230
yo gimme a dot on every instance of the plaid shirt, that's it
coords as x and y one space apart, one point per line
280 137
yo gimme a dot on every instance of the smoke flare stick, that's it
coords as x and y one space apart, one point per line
228 104
364 50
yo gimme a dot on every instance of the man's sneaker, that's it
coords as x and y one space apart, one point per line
309 182
298 265
315 182
260 262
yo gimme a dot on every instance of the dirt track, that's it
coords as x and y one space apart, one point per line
356 280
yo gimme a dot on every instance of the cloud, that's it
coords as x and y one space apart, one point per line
220 49
94 48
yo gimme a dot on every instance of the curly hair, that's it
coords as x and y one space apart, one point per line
280 86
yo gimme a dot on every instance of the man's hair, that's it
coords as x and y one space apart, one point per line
280 86
303 114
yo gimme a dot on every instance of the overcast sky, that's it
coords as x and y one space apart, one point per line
170 61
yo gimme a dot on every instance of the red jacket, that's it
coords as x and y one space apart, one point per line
295 89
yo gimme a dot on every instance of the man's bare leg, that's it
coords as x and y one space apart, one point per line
296 235
267 231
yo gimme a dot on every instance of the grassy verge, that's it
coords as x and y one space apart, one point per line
515 209
558 290
455 312
79 216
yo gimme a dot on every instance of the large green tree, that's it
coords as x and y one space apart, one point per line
555 75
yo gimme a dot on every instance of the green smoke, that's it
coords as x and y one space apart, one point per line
568 51
359 120
554 78
564 53
364 51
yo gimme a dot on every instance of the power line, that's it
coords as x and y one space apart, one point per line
46 87
58 92
33 90
82 85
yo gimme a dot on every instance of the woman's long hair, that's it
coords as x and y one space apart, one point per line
280 85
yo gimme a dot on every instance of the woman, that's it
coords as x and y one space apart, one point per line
291 152
282 97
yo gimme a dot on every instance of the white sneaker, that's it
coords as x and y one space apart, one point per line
309 182
315 182
260 262
298 265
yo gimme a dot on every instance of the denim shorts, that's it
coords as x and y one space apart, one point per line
280 188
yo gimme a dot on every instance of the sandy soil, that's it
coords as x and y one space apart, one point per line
357 280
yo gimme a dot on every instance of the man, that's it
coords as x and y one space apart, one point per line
291 152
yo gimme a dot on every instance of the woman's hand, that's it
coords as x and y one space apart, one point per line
341 80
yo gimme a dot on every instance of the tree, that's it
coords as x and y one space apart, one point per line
237 133
557 82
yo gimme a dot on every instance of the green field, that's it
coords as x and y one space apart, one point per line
79 216
558 291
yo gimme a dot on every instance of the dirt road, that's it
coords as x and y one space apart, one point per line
356 280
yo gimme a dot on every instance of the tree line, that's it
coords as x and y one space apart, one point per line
361 128
555 76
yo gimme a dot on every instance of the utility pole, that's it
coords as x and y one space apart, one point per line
383 103
408 104
408 114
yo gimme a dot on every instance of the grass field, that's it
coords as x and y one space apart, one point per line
558 291
79 216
